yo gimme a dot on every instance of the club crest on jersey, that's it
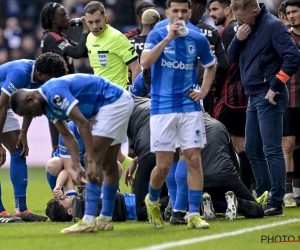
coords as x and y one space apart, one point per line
191 49
198 133
103 59
57 100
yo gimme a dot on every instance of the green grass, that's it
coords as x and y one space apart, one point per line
130 234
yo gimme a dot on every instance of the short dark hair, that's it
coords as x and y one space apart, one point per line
282 8
94 6
56 212
51 64
203 2
223 3
138 10
47 13
292 3
178 1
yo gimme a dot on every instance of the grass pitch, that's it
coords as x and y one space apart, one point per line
240 234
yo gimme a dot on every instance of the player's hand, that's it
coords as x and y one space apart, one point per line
243 32
129 172
81 178
173 32
270 96
2 155
85 28
22 140
92 172
196 95
57 193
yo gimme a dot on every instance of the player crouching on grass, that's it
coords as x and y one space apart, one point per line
60 174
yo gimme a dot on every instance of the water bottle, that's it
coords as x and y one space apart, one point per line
76 22
182 30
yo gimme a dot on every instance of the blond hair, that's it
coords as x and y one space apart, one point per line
243 4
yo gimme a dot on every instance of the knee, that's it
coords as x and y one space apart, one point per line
163 169
54 166
288 148
193 161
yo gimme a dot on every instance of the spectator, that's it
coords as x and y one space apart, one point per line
262 44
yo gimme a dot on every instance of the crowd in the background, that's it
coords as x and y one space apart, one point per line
21 32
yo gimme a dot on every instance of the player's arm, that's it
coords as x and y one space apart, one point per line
68 166
208 62
135 69
4 103
149 57
64 48
22 138
63 180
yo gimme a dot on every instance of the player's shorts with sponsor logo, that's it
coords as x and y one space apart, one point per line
291 123
233 119
11 122
112 120
169 131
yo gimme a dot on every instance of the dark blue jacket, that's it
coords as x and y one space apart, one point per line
268 49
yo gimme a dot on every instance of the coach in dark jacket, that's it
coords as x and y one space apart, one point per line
268 57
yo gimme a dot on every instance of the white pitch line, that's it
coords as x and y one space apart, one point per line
215 236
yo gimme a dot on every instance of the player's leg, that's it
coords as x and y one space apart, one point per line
163 138
53 167
18 169
110 187
113 122
192 137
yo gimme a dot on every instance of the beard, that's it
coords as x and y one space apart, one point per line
296 25
220 21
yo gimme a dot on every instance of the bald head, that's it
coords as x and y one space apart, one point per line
27 102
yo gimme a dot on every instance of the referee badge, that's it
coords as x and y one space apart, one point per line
103 60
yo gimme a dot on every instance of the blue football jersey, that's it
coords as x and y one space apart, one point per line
176 69
138 88
16 75
166 22
62 150
88 92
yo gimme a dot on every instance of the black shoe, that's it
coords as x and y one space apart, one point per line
297 200
28 216
271 210
178 218
207 207
168 212
10 219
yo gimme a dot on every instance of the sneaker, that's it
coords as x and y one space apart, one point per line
195 221
80 227
178 218
154 215
28 216
168 211
6 217
207 207
104 225
289 200
297 200
271 210
261 200
232 206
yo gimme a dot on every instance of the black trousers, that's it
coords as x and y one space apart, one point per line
141 184
247 205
